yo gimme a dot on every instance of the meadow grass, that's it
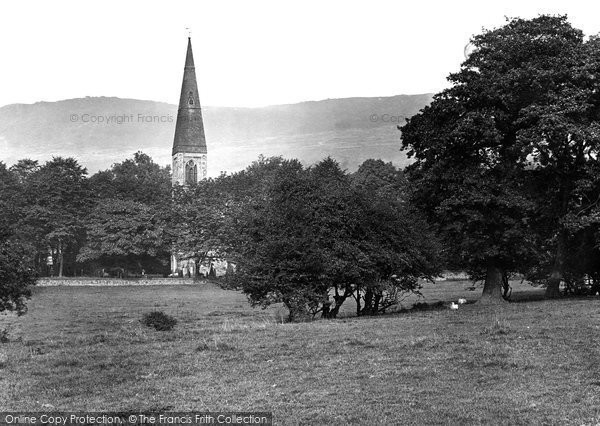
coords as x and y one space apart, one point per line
85 349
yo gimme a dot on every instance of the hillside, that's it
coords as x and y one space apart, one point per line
102 131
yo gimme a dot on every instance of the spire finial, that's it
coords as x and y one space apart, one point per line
189 32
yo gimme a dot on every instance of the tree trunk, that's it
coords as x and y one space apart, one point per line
375 308
326 311
553 287
60 259
366 310
54 260
492 289
339 300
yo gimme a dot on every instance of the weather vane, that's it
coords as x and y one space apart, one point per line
189 32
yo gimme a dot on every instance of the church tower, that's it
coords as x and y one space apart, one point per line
189 144
189 149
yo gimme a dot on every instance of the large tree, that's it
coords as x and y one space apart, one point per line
304 235
23 168
562 130
198 222
9 193
127 234
481 144
137 179
16 266
401 244
54 201
277 258
128 228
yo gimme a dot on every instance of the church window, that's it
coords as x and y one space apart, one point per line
191 173
190 98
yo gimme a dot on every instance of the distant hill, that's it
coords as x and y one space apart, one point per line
350 130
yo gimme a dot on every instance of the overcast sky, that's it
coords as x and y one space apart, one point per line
247 53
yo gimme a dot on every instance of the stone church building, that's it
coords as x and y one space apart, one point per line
189 153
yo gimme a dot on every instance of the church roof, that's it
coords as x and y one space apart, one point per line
189 129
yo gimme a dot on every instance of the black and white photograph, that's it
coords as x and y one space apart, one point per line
262 212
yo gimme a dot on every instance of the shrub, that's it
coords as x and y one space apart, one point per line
159 320
4 335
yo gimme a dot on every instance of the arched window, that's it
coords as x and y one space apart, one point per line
191 173
190 98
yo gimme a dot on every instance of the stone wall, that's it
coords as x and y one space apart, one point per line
99 282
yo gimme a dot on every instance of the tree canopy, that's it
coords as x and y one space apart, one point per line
137 179
501 151
305 233
17 273
54 200
128 234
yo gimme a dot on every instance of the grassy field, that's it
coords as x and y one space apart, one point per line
527 362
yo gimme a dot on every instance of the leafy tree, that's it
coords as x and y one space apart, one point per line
379 176
130 193
277 259
22 169
562 130
55 199
468 160
581 256
13 232
304 233
469 190
9 193
198 222
483 145
16 277
401 244
201 223
138 179
128 233
16 273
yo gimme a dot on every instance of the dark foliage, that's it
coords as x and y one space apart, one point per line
16 277
136 179
501 155
159 321
126 233
303 233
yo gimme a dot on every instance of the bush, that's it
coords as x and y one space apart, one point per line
4 335
16 277
159 320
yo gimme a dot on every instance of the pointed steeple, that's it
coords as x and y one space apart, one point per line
189 129
189 57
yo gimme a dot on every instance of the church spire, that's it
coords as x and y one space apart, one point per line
189 57
189 148
189 129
